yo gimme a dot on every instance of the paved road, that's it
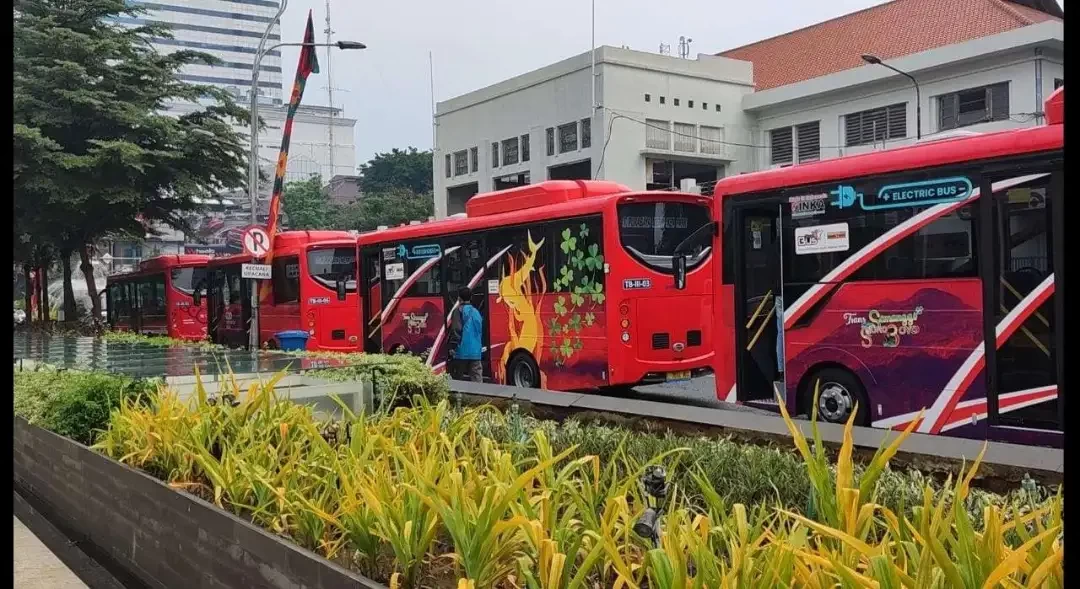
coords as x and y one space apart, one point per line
36 567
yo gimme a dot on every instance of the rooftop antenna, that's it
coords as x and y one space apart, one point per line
665 48
684 47
330 88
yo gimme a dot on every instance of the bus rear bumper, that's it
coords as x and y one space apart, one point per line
674 376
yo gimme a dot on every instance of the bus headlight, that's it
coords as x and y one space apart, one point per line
624 309
625 337
625 323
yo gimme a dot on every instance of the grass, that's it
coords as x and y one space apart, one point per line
433 496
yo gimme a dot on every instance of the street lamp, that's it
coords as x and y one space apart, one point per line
874 60
253 165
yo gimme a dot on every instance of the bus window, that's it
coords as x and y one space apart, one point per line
650 231
327 266
286 280
152 295
462 264
186 280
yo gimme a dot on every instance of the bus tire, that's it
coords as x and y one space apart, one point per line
522 371
839 393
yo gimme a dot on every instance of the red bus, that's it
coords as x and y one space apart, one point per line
902 286
313 288
158 298
574 281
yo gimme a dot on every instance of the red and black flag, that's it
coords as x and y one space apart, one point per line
309 64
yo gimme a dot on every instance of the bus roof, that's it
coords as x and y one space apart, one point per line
163 263
295 238
920 155
548 200
244 258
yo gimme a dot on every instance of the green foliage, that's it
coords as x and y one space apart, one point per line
391 208
94 153
398 169
73 404
581 277
307 205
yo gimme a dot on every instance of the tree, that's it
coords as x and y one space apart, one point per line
307 205
390 208
409 169
95 153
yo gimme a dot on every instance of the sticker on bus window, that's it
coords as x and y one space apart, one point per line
493 287
395 271
821 239
808 205
904 195
389 254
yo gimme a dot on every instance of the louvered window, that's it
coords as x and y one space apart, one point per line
973 106
808 136
877 124
657 134
461 163
685 138
711 140
780 146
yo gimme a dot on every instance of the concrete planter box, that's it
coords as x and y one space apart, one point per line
149 534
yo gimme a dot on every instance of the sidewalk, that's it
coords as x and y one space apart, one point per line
37 567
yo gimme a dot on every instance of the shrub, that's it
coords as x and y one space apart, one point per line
74 404
423 496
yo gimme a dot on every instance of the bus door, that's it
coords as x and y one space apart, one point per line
1025 363
758 262
370 290
463 265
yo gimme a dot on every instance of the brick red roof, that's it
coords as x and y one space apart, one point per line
890 30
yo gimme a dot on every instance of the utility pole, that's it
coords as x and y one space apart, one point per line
330 90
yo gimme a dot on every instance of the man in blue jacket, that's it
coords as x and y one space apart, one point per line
466 329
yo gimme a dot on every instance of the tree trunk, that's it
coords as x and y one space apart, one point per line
43 284
70 314
28 293
91 285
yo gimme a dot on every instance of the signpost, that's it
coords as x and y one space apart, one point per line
257 244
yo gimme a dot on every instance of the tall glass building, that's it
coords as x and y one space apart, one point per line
227 29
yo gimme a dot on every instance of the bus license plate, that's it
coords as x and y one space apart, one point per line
677 376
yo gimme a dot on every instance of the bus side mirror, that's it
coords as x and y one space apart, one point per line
196 297
340 284
678 263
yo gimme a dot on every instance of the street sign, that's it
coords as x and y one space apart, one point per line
256 242
255 271
107 258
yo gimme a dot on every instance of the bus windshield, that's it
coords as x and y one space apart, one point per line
650 231
327 266
186 280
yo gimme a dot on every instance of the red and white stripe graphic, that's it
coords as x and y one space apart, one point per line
938 414
971 411
472 284
411 280
860 258
441 366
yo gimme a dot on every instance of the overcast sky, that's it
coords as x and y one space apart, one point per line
476 43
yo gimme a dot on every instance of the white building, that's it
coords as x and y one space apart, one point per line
981 65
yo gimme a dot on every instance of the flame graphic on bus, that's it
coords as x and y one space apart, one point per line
523 296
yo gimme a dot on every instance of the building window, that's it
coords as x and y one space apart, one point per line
704 106
568 137
876 124
474 157
718 108
657 134
586 133
510 151
689 104
676 102
648 98
662 100
448 168
685 137
1058 83
780 146
461 163
525 139
712 140
973 106
550 141
495 154
808 142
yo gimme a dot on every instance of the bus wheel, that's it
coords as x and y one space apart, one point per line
839 391
522 371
